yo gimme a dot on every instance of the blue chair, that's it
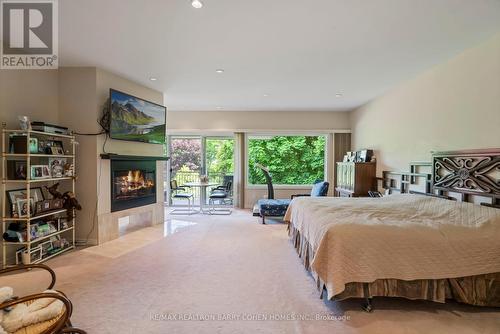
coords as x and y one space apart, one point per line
270 207
227 180
179 192
319 189
224 197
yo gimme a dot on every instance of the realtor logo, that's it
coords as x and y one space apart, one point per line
29 34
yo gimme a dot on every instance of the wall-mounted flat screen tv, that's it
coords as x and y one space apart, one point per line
135 119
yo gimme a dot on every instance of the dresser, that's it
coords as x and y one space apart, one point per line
355 179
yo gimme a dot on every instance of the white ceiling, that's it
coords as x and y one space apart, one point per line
300 52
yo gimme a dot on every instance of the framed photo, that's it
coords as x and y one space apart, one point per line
57 203
357 156
34 232
63 223
17 169
36 195
58 143
46 205
351 156
33 145
56 150
40 172
23 205
46 247
69 169
20 170
43 146
38 207
57 167
366 155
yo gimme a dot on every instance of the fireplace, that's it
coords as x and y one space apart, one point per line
133 183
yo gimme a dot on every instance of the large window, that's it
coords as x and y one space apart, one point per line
292 160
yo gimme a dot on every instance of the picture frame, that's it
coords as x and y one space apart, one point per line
43 146
22 207
63 223
69 169
57 203
33 232
46 247
57 167
40 172
46 205
57 143
36 195
357 157
56 150
38 207
366 155
17 169
33 145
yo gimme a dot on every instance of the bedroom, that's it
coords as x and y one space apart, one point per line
292 86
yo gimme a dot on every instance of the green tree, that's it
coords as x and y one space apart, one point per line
290 159
220 153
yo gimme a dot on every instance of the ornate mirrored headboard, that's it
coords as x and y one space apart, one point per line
473 172
474 175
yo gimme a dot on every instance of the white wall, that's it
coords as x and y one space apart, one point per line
77 101
453 106
244 121
28 92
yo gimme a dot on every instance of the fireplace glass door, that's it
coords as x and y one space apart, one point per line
133 184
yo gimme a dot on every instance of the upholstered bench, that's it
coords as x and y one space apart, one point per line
277 207
272 208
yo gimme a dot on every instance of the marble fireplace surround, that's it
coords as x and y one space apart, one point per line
148 215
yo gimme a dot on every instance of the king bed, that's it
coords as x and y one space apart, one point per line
414 246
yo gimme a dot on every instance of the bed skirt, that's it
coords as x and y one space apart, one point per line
479 290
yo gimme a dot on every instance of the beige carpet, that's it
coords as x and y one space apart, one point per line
230 275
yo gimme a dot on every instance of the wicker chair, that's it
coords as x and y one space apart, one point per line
59 324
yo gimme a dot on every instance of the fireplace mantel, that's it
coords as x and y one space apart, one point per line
112 156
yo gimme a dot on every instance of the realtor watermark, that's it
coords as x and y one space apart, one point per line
247 317
29 32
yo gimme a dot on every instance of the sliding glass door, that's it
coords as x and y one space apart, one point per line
195 156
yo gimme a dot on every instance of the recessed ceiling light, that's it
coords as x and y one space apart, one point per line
265 95
219 108
219 70
339 95
197 4
153 79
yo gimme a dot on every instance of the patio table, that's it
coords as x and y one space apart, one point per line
203 191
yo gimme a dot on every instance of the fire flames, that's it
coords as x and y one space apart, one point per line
134 181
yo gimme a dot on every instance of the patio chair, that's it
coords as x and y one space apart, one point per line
223 196
180 192
227 179
61 323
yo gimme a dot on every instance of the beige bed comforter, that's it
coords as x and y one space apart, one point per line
405 237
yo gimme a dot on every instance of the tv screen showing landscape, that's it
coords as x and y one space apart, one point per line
135 119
